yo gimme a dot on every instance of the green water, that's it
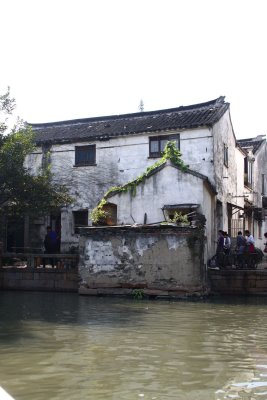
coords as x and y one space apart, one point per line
61 346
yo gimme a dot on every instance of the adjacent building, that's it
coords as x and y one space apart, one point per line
254 191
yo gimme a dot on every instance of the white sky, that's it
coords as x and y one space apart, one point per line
68 59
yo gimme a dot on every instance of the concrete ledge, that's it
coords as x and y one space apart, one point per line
252 282
122 291
156 292
39 279
104 291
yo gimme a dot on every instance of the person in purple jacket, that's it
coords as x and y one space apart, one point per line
50 244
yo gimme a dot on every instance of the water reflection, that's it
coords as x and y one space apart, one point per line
58 346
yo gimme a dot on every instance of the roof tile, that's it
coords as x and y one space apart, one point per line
184 117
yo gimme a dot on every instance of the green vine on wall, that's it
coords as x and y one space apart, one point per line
170 153
98 213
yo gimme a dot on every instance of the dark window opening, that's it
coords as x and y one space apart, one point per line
225 155
15 234
80 219
248 172
260 229
158 143
85 155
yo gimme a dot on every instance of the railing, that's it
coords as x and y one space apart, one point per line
38 260
239 261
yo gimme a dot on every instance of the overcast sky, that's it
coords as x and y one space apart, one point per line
83 58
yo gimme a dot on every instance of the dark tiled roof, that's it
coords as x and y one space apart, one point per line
101 128
252 142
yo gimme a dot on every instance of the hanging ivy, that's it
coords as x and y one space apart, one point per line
170 153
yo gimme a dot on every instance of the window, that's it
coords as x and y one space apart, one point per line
158 143
85 155
250 172
80 219
248 169
262 185
260 229
225 155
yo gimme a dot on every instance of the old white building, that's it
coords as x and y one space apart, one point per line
93 154
254 187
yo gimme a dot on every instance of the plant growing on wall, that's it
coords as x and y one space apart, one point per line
179 218
170 153
138 294
98 214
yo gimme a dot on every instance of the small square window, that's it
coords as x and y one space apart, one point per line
85 155
158 143
80 219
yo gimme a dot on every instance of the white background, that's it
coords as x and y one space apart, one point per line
83 58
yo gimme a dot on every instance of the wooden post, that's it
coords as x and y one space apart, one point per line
1 254
37 262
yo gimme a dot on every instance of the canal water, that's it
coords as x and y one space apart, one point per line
56 346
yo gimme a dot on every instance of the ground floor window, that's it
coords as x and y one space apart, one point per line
80 219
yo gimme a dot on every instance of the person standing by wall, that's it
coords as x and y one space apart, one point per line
240 243
220 242
265 245
50 244
250 242
227 243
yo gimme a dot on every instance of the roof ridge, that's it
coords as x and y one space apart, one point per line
199 106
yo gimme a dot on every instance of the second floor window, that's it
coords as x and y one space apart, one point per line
248 169
225 155
85 155
158 143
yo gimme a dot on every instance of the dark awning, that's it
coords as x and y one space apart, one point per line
183 205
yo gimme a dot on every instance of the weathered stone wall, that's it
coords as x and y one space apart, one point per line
38 279
160 260
169 185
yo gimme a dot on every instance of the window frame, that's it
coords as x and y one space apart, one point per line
83 150
159 139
